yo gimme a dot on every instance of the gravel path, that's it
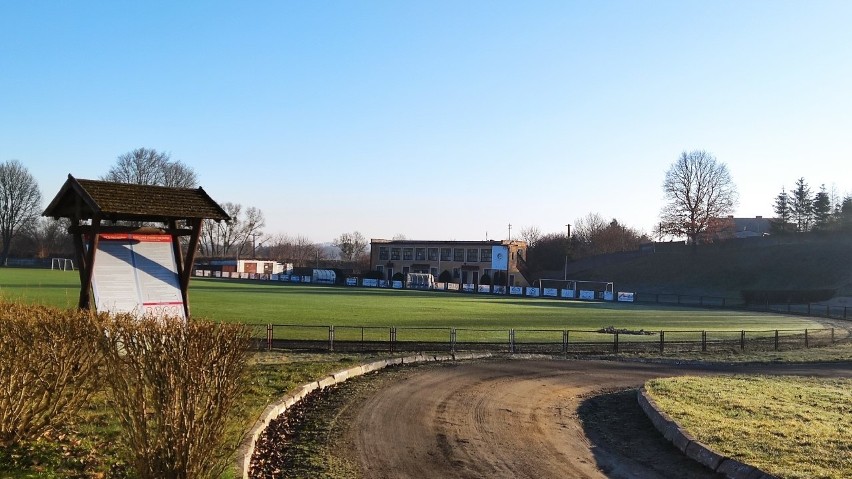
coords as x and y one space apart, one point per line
515 419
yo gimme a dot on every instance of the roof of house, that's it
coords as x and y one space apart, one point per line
126 201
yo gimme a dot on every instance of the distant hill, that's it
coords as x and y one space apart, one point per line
771 263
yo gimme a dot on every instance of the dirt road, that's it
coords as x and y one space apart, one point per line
523 419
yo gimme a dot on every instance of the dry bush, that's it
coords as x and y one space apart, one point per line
173 385
49 367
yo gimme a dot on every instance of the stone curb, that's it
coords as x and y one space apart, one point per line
246 449
693 449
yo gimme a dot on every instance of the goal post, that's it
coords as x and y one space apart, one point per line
62 264
580 289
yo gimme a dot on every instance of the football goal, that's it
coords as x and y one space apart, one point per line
63 264
579 289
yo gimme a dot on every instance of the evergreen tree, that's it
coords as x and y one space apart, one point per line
846 214
821 210
802 206
782 212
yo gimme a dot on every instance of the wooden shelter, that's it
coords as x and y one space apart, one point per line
99 207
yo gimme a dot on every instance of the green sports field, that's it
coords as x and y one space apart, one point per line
272 303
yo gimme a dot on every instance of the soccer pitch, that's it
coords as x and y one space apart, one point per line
273 303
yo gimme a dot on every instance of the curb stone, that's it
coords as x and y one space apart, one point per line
693 449
246 449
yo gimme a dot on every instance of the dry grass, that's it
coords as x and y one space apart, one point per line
792 427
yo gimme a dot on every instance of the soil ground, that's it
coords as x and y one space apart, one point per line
503 418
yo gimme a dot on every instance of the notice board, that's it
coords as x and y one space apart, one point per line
137 273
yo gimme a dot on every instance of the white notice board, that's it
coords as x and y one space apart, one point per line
137 274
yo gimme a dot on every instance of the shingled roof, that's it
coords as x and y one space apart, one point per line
125 201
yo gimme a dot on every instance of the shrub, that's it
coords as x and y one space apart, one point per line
374 275
445 277
398 277
485 279
49 367
172 386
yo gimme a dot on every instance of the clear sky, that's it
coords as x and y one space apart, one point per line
433 119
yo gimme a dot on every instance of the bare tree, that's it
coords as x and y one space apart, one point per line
221 239
20 202
147 166
531 234
594 235
351 245
43 238
698 190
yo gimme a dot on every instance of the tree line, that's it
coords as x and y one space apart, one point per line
802 211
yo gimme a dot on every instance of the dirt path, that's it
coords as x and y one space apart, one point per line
522 419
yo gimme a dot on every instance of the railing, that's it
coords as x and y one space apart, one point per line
807 309
533 341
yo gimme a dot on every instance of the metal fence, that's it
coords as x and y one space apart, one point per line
816 310
530 341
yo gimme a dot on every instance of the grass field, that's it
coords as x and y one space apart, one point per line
270 303
789 427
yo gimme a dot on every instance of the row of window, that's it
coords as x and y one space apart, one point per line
470 255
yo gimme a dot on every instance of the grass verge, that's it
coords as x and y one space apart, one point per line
792 427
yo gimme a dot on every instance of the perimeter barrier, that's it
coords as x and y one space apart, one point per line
534 341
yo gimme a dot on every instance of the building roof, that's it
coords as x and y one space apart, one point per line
126 201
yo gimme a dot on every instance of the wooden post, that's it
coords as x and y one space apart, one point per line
704 341
268 336
615 342
87 265
806 338
776 340
742 340
662 341
331 338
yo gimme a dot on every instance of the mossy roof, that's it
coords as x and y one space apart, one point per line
132 202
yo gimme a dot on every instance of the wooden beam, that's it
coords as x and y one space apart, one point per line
89 260
144 230
189 261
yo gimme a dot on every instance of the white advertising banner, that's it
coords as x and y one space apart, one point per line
625 297
397 285
584 294
137 274
499 289
551 292
370 283
533 292
516 290
484 288
607 296
500 257
468 288
568 293
352 281
452 286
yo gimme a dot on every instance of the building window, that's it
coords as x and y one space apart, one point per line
446 254
420 254
458 255
472 255
433 254
456 273
384 253
407 254
394 254
485 255
380 268
434 272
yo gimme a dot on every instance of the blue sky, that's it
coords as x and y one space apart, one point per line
433 119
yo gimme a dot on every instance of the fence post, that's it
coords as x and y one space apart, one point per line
615 342
512 341
662 341
391 338
776 340
844 311
453 339
806 338
362 336
809 309
742 340
704 341
268 336
565 341
331 338
832 335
